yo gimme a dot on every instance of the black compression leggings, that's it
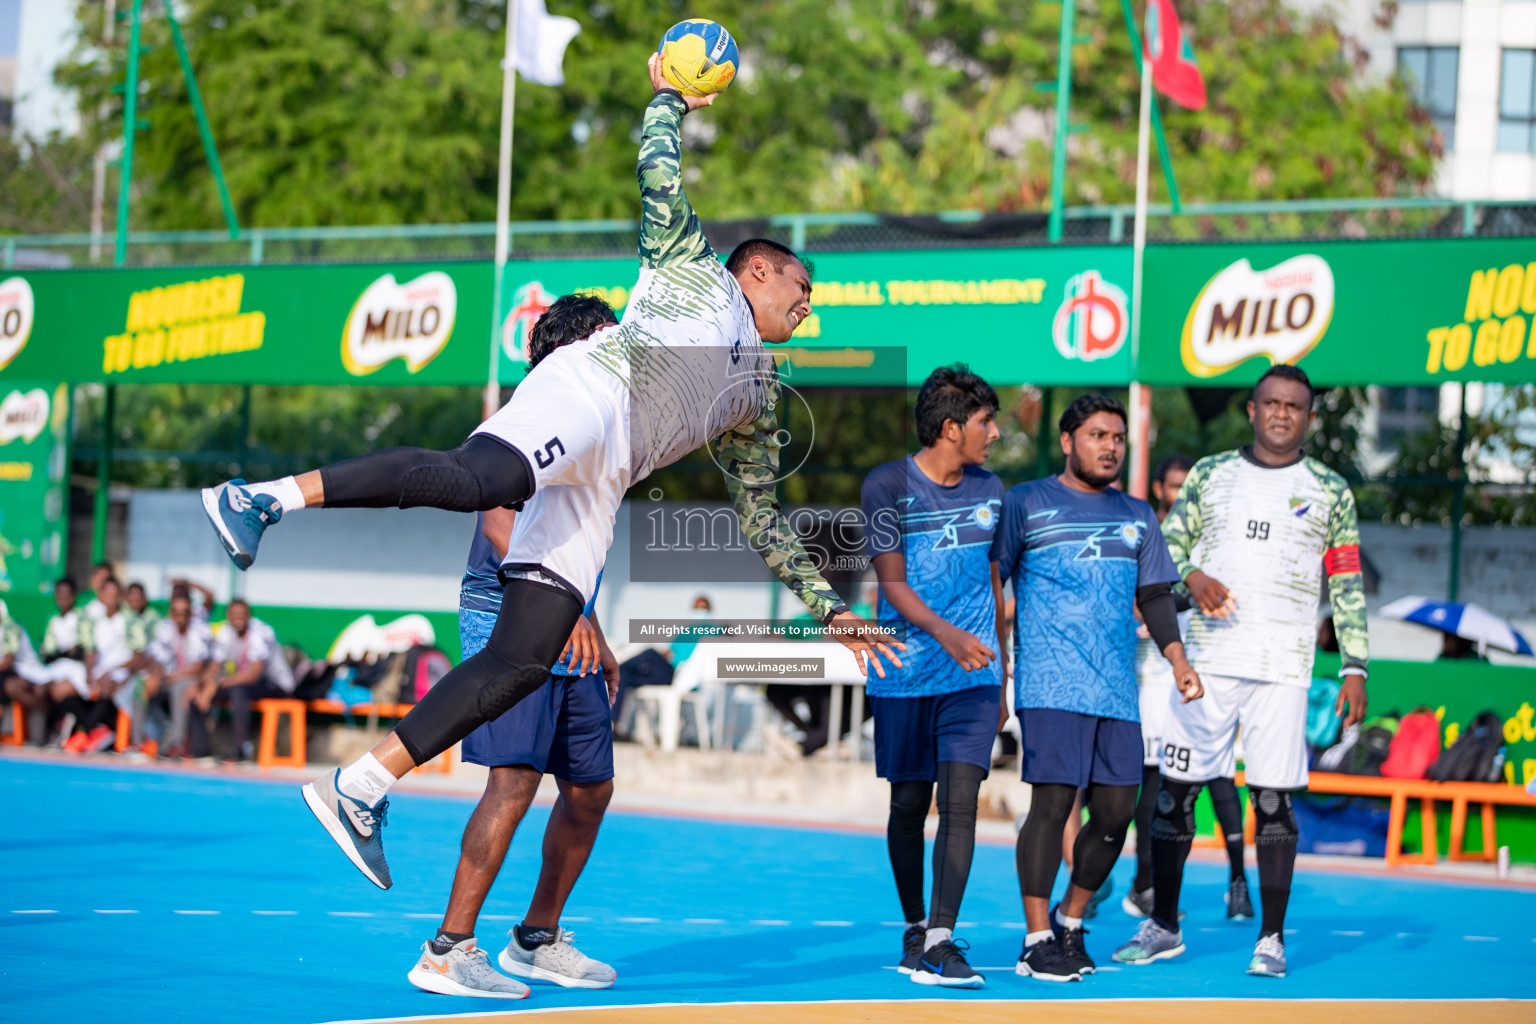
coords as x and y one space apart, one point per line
953 849
1146 804
1038 852
531 630
478 475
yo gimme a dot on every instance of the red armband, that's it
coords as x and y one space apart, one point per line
1342 559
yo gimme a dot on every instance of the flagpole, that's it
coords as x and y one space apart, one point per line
492 400
1141 396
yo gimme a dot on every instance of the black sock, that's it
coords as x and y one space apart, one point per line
447 940
1229 813
1146 803
904 843
529 937
1173 836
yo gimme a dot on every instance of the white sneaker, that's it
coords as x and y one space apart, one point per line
557 961
465 970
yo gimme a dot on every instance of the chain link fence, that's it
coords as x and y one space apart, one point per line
851 232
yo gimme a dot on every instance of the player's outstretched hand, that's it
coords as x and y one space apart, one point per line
866 640
1213 599
966 648
1351 692
659 83
582 647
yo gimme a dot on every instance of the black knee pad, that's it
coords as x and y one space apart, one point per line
480 474
1274 818
1174 817
911 800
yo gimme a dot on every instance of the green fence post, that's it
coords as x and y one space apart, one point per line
130 128
102 507
210 150
1458 500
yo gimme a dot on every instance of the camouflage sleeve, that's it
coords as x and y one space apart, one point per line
87 635
750 457
138 633
1182 527
670 232
10 638
1346 585
50 642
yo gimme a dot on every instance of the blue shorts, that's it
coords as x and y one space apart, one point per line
563 728
914 734
1071 749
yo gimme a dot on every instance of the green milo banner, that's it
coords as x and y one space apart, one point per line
1390 313
376 324
1038 316
34 439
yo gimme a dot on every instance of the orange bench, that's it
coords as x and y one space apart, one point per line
273 709
17 737
1427 792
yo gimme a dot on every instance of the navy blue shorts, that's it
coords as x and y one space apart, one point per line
563 728
1072 749
914 734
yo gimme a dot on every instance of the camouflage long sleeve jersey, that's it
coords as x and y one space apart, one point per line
697 367
1270 534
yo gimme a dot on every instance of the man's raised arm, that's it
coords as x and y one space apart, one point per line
670 232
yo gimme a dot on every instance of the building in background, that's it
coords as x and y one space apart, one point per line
10 31
1473 66
42 33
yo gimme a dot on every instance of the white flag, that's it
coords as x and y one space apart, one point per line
541 42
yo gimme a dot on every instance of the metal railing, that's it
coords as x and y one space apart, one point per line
1308 219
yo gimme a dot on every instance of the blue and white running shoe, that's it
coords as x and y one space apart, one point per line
240 517
353 824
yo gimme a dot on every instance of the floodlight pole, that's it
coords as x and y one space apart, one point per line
130 128
492 399
1063 114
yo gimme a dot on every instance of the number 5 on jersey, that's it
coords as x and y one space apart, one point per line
546 457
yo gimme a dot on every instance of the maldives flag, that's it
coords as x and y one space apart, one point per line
1174 70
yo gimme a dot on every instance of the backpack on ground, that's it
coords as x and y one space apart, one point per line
1322 718
424 666
1367 755
1476 756
1415 746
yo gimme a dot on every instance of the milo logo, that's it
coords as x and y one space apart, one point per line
16 307
1241 313
390 320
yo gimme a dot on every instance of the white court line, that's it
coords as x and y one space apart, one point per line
115 911
703 920
1208 928
274 913
196 913
833 924
423 917
1481 938
1410 935
499 917
34 911
1290 931
350 913
1350 934
893 924
639 920
767 921
966 924
568 918
1019 926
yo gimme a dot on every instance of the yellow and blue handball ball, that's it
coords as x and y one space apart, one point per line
698 57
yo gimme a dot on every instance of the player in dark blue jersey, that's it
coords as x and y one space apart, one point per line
1080 553
931 529
564 729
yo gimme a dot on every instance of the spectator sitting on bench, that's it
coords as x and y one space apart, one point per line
202 608
180 656
137 601
91 603
111 643
31 683
248 666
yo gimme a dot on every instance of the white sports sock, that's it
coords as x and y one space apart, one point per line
285 492
1035 938
1069 923
936 936
365 779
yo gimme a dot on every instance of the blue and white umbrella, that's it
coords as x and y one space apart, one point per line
1477 624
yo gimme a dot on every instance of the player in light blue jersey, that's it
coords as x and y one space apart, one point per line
1080 554
931 530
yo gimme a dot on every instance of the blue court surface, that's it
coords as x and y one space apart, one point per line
148 895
